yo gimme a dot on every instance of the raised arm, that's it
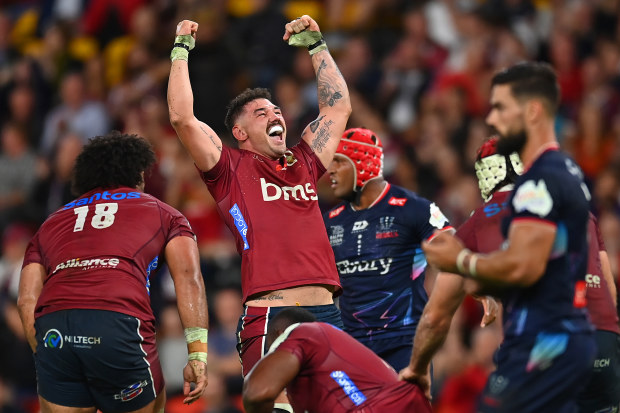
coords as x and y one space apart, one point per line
323 134
30 286
184 264
202 143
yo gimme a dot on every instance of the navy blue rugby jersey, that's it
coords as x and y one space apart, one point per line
380 261
552 191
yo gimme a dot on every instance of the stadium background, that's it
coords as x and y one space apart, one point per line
418 73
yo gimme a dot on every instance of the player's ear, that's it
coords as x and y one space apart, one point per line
239 133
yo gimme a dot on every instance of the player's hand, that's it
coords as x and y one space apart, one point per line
299 25
187 27
194 372
422 380
491 309
442 251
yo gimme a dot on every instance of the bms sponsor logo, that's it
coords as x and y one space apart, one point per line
106 262
273 192
131 392
53 339
102 195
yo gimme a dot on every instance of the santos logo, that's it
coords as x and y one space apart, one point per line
273 192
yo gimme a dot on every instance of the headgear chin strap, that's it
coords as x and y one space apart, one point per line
493 170
365 151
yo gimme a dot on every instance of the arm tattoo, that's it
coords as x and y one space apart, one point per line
323 135
219 148
314 125
327 94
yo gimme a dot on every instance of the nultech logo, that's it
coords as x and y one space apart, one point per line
106 262
53 339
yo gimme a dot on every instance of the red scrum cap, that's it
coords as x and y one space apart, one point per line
494 170
365 151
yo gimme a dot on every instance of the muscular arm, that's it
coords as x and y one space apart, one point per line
433 327
267 380
30 286
608 275
184 264
202 143
522 263
323 134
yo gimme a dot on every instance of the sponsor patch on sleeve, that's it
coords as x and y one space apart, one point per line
437 218
534 198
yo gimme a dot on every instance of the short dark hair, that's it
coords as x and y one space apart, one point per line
110 161
235 107
531 79
289 316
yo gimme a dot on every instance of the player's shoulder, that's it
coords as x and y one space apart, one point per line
335 211
399 196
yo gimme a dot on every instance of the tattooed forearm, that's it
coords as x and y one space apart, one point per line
330 84
314 125
322 137
219 147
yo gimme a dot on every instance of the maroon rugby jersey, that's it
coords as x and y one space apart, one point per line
272 210
482 231
99 251
339 374
599 301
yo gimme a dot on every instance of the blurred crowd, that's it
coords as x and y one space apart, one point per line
418 73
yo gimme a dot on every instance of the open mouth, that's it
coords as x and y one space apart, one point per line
276 131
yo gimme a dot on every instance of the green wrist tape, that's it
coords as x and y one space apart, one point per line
200 356
305 38
186 39
315 48
179 53
196 333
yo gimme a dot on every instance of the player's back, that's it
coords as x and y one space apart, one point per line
339 374
99 251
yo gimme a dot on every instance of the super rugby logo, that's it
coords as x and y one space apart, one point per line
131 392
53 339
87 264
273 192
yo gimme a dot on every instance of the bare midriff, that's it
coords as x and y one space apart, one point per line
304 295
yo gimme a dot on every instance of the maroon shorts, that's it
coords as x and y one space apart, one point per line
252 330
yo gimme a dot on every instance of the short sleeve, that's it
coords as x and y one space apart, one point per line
538 198
218 178
430 219
33 252
176 223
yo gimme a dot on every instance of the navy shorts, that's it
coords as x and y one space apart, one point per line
396 351
98 358
252 329
602 394
539 374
